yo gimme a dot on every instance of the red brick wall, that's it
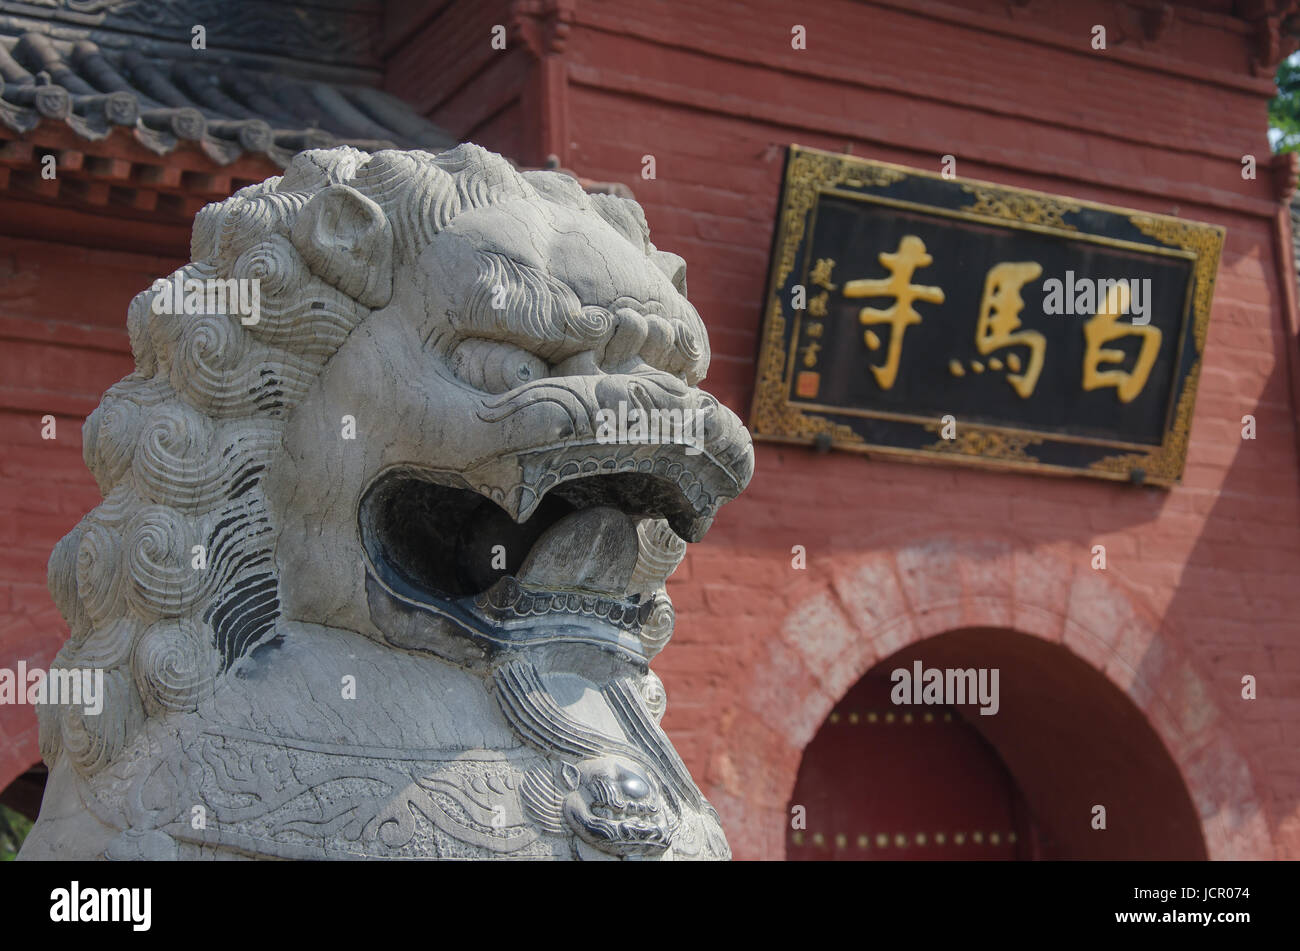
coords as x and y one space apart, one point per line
62 343
1200 588
447 68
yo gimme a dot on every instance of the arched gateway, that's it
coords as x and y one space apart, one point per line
1097 707
937 780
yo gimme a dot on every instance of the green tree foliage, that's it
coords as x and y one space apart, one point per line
1284 108
13 829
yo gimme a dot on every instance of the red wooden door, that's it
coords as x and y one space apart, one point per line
881 781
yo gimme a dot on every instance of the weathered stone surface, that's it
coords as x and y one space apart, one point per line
427 593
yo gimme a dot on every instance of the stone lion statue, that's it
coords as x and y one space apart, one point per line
368 579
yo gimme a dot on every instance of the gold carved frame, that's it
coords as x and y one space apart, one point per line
810 173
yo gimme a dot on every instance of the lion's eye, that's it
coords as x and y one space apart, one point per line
494 366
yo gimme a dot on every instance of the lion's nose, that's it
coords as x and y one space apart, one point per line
624 347
641 340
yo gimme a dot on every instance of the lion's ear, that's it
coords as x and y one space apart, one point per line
347 240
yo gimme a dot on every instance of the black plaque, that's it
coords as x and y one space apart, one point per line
911 314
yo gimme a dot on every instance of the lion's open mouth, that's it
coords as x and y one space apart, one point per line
574 558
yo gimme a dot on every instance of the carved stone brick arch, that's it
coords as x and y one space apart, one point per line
852 612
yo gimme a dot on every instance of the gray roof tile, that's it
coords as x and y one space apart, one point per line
227 111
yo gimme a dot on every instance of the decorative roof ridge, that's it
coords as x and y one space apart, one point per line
224 108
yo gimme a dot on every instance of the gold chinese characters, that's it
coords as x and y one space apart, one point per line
1001 339
911 254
